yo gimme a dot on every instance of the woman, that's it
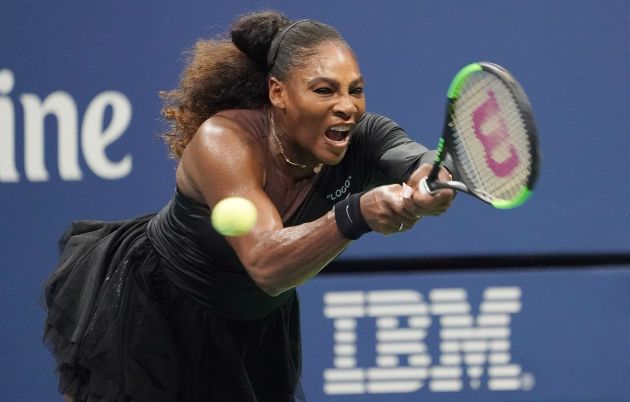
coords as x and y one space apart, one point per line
163 308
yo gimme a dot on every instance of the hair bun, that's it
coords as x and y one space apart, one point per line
253 34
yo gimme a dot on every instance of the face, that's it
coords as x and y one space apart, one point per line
321 103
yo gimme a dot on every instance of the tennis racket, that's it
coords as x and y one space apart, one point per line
490 133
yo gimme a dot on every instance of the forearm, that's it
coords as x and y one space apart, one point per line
283 259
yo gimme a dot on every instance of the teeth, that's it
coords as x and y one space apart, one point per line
340 128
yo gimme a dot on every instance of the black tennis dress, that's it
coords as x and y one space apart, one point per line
159 308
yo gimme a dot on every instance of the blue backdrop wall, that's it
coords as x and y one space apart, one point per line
79 121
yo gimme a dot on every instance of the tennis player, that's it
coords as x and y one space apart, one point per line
162 307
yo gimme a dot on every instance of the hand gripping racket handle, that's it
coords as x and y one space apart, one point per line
424 187
430 188
427 184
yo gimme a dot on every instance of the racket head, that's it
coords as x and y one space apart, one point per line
491 135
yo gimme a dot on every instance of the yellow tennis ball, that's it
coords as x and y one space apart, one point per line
234 216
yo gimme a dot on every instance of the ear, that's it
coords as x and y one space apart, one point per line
277 93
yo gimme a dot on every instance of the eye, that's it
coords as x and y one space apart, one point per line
357 91
323 90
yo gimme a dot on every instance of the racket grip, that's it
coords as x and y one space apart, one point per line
425 188
434 173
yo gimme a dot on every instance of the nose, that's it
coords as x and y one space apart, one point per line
345 107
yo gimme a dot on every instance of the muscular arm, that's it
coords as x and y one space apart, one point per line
223 161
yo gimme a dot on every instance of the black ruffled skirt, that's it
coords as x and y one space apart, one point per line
121 331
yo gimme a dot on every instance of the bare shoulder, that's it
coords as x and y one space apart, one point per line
220 155
219 130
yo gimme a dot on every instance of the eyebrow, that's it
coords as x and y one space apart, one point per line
332 82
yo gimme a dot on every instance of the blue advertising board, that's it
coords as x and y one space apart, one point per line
536 336
80 111
80 124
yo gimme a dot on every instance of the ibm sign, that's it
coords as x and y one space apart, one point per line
469 346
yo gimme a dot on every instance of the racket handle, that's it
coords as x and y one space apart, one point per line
434 173
425 187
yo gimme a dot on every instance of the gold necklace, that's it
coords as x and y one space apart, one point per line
316 169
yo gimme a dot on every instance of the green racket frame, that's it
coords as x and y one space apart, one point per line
445 143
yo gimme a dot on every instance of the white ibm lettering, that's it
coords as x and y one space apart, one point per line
94 137
467 344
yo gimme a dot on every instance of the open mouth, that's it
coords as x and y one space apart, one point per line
338 133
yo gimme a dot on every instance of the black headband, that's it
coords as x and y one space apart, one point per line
280 35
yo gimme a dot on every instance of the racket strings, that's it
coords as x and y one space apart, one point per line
490 138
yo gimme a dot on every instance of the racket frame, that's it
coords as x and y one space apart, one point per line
445 144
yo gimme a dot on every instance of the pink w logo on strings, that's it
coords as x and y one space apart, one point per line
495 136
